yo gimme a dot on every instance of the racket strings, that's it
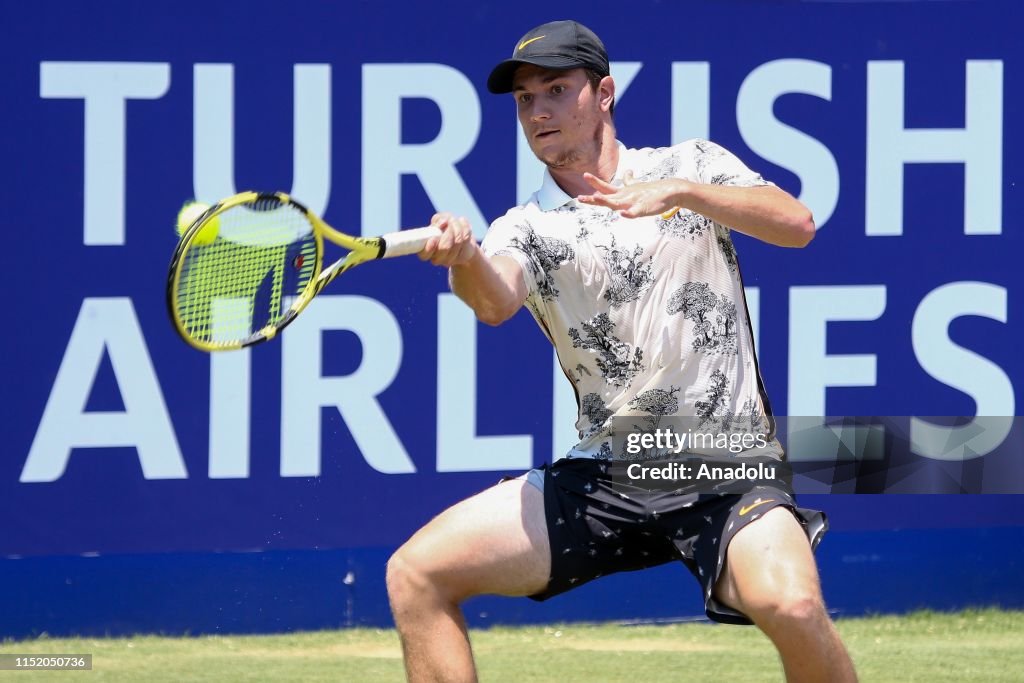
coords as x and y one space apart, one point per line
243 282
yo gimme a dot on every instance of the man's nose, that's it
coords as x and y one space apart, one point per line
539 114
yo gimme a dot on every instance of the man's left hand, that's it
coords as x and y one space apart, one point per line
635 199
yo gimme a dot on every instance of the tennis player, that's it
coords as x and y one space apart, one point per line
625 260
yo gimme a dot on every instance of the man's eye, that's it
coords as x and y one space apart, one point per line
524 98
558 89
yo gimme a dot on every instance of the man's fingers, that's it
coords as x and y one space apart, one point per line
462 229
597 199
427 252
440 219
447 239
457 233
599 184
454 245
634 200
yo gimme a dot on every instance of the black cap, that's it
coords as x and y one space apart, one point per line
555 45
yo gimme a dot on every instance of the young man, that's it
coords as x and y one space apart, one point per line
624 259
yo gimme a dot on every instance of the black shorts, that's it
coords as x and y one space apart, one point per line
594 530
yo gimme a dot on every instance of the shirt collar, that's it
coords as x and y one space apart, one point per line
551 196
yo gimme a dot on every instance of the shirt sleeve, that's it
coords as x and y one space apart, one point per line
718 166
516 240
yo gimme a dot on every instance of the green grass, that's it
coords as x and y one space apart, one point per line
982 645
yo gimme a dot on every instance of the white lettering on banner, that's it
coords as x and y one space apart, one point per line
691 101
529 169
812 370
782 144
110 324
459 449
213 120
145 424
386 158
230 381
230 391
304 390
978 145
105 87
962 369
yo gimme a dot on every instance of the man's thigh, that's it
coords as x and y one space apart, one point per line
768 560
495 542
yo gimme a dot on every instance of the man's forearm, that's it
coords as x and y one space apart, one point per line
491 291
766 213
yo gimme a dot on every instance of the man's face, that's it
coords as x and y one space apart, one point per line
561 115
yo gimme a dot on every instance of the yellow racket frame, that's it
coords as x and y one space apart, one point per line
361 250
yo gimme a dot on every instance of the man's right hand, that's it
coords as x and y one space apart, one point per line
456 245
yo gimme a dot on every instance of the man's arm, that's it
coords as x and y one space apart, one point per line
492 286
766 212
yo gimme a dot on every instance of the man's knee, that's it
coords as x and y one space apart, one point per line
404 582
796 608
415 579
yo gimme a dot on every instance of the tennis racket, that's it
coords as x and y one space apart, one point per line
247 266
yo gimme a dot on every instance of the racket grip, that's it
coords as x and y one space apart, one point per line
407 242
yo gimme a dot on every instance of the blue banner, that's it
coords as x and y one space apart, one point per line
386 401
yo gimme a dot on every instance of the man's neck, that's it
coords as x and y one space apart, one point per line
571 179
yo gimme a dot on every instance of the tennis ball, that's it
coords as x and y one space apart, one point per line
189 212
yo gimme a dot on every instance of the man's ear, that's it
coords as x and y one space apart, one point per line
606 93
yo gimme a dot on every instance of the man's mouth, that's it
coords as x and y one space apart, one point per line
545 133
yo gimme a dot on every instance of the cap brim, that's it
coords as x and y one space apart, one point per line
500 80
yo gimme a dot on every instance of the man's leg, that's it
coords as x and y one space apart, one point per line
771 577
495 542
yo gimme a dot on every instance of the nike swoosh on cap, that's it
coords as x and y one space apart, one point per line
527 42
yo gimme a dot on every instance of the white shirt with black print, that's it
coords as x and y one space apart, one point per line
647 315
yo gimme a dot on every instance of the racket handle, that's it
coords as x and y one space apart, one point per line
407 242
